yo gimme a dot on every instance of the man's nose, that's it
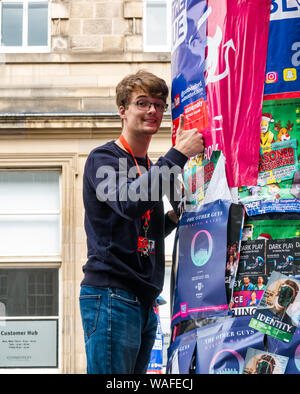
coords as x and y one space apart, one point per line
151 105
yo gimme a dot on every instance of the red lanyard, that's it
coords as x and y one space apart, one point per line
129 150
146 216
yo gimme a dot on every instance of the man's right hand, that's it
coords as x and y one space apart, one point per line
188 142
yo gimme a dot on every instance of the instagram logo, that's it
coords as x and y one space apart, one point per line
271 77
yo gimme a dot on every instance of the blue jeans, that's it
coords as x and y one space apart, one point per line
119 331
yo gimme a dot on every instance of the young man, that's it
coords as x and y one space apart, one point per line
125 227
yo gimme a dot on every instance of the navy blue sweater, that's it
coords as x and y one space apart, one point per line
113 223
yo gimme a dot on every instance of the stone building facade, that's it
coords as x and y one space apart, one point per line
56 104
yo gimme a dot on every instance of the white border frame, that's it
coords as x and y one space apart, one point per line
157 48
26 48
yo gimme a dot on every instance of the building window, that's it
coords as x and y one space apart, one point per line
157 25
30 259
29 292
24 26
29 213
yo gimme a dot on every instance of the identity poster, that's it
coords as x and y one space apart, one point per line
200 283
278 312
213 82
278 187
283 58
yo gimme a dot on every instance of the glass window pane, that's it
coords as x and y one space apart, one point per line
38 23
12 24
156 32
28 191
29 235
29 292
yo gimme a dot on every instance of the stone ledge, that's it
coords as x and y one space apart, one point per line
66 125
85 56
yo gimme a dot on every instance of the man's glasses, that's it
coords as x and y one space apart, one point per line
145 105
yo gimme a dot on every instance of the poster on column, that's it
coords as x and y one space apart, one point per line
200 283
235 85
278 188
221 347
283 58
189 23
228 111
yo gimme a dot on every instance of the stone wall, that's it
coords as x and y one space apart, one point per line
93 45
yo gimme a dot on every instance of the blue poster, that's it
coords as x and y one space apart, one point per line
200 289
155 365
283 58
290 350
222 347
189 21
180 353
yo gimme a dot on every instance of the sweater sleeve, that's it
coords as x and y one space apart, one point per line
127 193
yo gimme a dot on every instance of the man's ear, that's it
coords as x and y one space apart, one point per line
122 110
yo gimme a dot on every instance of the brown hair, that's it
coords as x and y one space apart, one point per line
142 80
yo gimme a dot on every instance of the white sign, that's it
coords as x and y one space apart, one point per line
29 344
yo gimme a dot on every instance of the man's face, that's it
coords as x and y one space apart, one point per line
264 368
264 126
139 120
285 296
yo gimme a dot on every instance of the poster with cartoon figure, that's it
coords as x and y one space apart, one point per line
197 174
278 188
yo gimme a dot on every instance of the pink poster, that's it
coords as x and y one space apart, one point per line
219 53
237 39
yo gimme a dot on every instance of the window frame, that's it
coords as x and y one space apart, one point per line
25 48
67 164
38 262
50 257
157 48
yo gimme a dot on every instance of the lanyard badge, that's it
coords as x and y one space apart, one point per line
145 246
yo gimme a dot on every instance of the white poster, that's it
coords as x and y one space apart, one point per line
29 344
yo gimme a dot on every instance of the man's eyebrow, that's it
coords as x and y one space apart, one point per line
141 96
